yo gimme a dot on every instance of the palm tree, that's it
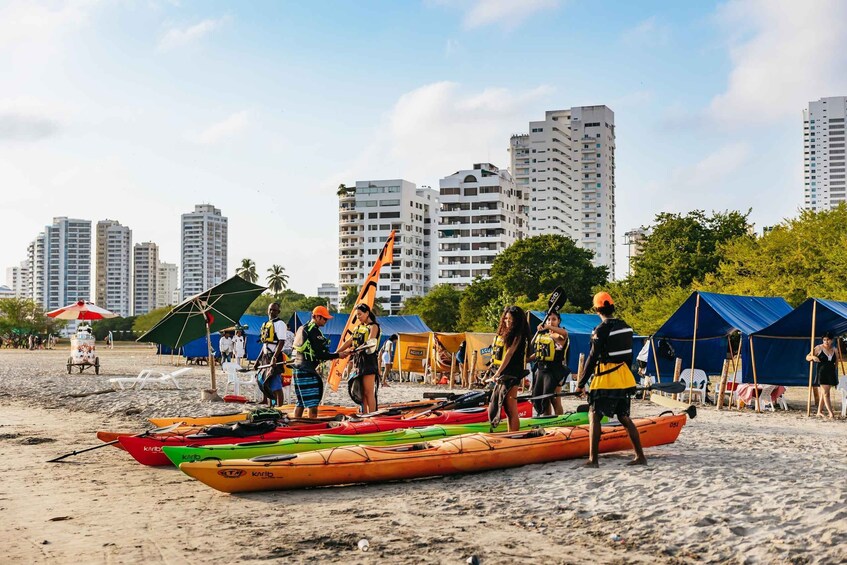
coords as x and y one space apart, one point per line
277 279
247 271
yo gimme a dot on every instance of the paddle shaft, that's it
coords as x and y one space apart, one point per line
143 434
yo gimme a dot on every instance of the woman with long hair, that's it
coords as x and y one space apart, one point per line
826 355
363 343
508 359
549 349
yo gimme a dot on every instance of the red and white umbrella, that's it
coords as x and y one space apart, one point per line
81 310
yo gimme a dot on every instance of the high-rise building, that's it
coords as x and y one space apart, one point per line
167 285
482 212
204 249
145 266
367 213
329 292
60 263
113 288
567 164
823 153
18 279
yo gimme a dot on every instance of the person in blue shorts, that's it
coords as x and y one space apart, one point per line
310 348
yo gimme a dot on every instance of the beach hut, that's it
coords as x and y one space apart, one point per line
779 350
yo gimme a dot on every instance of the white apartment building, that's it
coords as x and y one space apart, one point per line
145 266
567 164
329 292
823 153
60 263
19 280
204 249
482 212
113 287
367 213
167 285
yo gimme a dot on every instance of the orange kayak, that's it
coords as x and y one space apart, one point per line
462 454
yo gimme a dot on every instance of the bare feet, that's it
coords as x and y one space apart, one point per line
638 461
592 464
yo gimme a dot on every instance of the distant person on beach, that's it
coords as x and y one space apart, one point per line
288 342
238 346
225 347
363 384
386 357
110 340
508 359
271 358
310 348
612 382
548 352
826 355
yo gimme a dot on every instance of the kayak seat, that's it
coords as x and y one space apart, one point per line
274 458
533 433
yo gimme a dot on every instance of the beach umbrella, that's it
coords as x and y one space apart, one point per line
210 311
81 310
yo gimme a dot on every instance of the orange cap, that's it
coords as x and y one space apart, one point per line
603 299
322 312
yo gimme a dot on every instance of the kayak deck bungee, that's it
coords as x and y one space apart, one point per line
148 450
324 411
249 450
462 454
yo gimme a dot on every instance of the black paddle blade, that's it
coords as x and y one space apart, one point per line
672 387
691 411
556 300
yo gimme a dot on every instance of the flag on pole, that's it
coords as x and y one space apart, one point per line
367 295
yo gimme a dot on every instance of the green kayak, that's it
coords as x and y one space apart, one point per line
249 450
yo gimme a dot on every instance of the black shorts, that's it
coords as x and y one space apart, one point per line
610 405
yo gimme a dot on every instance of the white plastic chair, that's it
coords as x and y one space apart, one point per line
235 379
766 398
842 388
700 381
147 376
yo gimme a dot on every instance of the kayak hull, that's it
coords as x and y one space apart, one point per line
462 454
147 450
249 450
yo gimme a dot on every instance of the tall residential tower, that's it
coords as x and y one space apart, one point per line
145 264
204 249
113 286
823 153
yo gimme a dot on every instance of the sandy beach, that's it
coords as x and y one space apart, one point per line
736 487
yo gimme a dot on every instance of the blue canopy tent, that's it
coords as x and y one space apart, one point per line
779 350
334 327
580 327
702 324
197 348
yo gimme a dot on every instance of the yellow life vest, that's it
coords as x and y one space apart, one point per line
545 348
498 350
268 333
612 376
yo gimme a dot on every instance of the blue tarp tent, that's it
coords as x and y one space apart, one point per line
717 316
334 327
197 347
779 350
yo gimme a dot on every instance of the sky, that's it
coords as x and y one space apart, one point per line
137 110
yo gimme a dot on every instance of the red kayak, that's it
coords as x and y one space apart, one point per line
147 450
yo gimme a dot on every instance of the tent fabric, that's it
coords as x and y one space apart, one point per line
197 347
411 352
479 348
335 326
780 349
719 316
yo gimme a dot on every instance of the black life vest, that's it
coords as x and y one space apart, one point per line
268 332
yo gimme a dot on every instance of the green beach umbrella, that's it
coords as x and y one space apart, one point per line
212 310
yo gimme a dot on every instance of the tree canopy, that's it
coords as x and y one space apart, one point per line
439 308
23 316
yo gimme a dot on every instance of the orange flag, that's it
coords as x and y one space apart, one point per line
367 295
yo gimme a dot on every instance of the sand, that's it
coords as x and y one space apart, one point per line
737 487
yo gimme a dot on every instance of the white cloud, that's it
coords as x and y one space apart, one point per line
222 130
648 32
29 119
507 13
784 53
177 37
30 23
438 129
714 168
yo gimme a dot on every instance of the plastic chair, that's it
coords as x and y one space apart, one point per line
700 381
235 379
842 388
146 377
766 398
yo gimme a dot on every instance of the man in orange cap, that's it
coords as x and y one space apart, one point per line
612 382
310 348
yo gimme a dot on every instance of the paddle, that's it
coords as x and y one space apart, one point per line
463 401
142 434
556 301
672 388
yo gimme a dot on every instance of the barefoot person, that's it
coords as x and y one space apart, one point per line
612 383
508 358
826 355
387 358
363 385
310 348
549 346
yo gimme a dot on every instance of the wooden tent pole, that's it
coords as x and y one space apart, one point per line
452 368
677 370
722 384
755 378
472 374
734 364
211 355
694 349
579 369
655 359
811 363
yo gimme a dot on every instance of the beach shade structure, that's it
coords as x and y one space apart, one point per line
210 311
81 310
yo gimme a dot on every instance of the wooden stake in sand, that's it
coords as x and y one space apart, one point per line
811 363
694 349
655 359
755 378
677 370
722 384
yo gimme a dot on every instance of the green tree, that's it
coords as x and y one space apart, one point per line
247 271
121 328
23 316
351 293
277 279
536 265
147 321
439 308
475 299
